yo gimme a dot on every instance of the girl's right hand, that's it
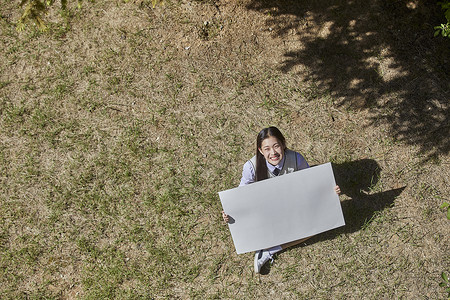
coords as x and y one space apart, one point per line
225 217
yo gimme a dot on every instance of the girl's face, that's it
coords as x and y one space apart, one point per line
272 150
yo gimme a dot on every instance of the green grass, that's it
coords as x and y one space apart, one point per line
115 139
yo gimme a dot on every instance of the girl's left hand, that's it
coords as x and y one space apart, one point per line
225 217
337 189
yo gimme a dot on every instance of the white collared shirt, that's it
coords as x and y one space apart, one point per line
248 172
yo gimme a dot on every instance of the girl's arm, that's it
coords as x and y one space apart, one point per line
248 174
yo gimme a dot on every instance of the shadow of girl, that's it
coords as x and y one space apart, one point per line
357 179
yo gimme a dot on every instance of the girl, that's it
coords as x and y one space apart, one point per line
272 159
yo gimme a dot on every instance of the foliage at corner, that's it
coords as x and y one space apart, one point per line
444 29
446 205
445 283
34 10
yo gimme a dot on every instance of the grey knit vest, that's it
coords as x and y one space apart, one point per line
290 163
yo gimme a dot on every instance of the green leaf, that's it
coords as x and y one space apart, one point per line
447 15
444 276
40 24
448 214
445 204
20 26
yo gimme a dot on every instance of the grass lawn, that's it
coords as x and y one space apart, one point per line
121 123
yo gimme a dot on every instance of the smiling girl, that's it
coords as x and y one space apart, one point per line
272 159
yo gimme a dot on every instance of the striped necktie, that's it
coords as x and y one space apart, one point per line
276 172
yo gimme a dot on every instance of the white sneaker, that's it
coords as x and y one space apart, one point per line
261 257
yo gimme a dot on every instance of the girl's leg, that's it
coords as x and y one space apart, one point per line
262 256
290 244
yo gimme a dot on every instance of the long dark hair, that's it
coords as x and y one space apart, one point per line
261 167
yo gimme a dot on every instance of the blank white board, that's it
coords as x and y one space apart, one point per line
282 209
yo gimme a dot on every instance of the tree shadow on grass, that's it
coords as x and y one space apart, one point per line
356 179
376 55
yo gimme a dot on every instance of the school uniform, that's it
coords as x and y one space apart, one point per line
292 161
